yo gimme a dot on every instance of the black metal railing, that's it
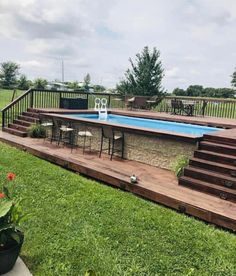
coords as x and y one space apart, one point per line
36 98
212 107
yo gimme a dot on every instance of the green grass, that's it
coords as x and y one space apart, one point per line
78 224
5 98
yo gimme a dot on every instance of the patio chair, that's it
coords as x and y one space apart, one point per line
153 102
204 105
113 139
177 107
138 102
129 102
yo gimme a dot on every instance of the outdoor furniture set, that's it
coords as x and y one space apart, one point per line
69 134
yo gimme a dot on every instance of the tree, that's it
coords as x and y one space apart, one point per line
73 85
40 83
145 75
23 83
87 80
8 74
99 88
179 92
199 91
194 90
233 81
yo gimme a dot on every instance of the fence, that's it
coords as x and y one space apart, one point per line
212 107
34 98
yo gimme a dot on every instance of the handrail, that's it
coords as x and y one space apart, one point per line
16 100
210 99
77 92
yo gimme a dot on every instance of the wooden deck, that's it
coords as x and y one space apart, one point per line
206 121
155 184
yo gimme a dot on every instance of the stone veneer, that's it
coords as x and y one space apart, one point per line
155 151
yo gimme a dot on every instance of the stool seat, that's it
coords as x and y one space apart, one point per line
85 133
47 124
66 129
117 137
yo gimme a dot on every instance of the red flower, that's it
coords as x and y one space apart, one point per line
2 195
11 176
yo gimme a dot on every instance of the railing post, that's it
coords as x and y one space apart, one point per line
31 98
3 119
87 101
109 101
59 99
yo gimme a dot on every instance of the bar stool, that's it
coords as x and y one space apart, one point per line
55 134
47 126
113 138
65 135
84 133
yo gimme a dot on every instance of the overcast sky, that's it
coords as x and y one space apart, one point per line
196 38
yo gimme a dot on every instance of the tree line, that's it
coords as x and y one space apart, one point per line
144 77
200 91
10 78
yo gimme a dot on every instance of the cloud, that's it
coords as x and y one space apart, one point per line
172 73
99 37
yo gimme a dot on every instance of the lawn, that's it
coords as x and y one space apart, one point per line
6 97
78 224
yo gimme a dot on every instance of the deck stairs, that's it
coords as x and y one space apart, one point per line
20 125
212 170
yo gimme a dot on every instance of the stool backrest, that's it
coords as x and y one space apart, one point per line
107 132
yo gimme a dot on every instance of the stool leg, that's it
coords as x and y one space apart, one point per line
60 137
109 146
112 148
101 147
123 146
84 144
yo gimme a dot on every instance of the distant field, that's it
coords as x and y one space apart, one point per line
6 97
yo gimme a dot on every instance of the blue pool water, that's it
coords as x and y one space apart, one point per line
195 130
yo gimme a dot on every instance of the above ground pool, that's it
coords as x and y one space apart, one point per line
153 124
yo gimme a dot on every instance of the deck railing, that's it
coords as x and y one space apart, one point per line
35 98
212 107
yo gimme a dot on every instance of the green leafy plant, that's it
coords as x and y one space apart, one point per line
180 164
11 216
37 131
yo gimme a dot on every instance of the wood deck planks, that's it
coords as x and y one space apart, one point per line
155 184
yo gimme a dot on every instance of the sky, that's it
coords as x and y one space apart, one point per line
196 38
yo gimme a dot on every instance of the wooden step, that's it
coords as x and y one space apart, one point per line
219 139
18 127
15 132
216 147
213 166
22 122
30 114
209 188
211 177
215 157
28 119
33 110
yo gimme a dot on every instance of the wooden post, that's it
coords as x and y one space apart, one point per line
31 98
